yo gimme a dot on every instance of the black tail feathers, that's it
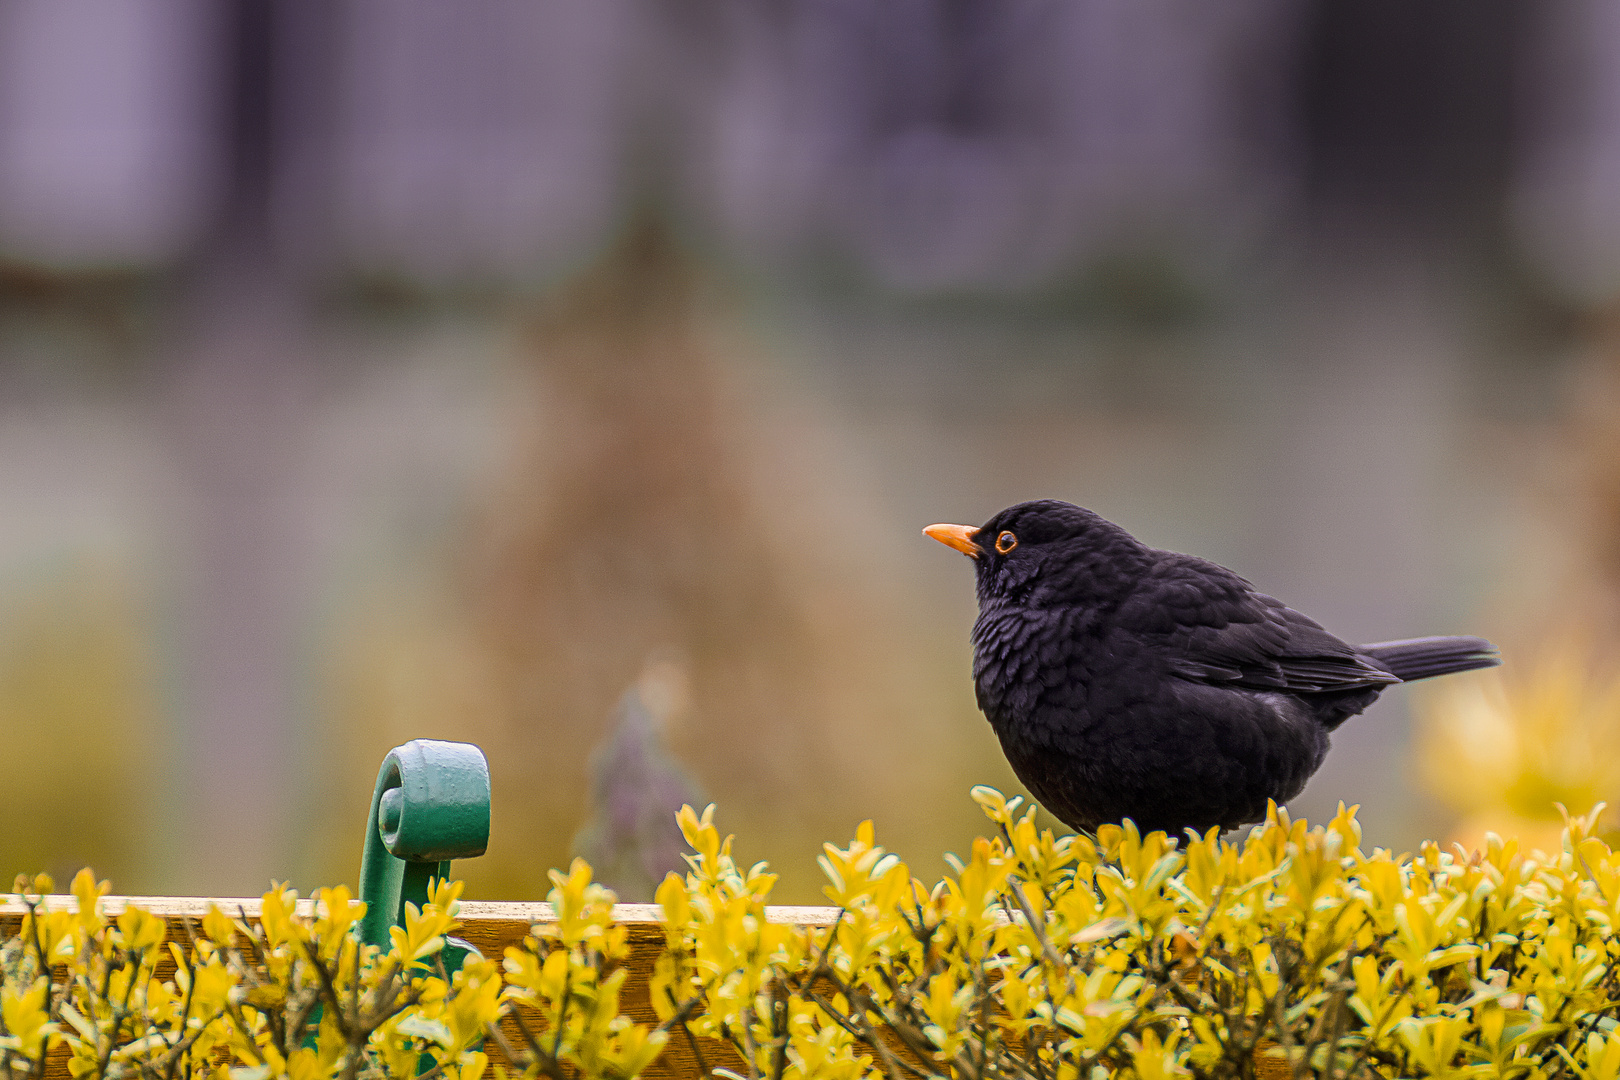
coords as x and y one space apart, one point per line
1425 657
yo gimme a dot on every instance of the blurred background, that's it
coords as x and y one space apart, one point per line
575 378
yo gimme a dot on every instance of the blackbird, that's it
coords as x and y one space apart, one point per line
1128 682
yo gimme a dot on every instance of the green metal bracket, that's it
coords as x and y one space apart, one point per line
431 805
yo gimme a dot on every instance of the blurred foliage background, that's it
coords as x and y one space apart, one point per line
576 378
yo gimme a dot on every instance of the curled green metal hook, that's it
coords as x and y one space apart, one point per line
431 805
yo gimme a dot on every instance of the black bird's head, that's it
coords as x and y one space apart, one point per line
1045 551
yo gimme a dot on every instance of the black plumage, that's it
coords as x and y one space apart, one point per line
1125 681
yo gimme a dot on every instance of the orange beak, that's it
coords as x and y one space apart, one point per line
959 537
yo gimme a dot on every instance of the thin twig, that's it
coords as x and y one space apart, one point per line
548 1064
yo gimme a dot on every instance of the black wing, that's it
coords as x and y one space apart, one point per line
1212 626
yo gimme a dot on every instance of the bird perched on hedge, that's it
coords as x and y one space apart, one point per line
1128 682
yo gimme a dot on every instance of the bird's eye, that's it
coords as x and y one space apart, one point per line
1006 542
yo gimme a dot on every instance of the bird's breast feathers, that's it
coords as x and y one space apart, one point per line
1028 660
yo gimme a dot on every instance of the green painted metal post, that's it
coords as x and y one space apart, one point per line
431 805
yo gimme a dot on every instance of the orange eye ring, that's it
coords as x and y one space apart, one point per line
1006 542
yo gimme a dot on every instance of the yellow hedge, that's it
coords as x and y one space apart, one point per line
1040 957
1047 956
